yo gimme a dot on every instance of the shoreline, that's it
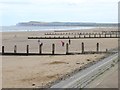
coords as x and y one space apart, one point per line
39 28
58 30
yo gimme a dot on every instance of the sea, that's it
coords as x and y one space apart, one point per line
41 28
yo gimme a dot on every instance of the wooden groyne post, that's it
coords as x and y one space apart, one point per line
53 49
99 35
69 41
105 35
82 47
67 48
97 47
15 49
40 48
95 35
89 35
2 49
110 35
27 49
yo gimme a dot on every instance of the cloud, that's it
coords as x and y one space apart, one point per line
14 3
74 1
53 2
11 2
58 10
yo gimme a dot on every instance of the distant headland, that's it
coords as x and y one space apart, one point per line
36 23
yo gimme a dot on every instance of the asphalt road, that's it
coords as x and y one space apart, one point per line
82 78
107 80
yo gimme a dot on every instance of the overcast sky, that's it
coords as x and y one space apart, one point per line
14 11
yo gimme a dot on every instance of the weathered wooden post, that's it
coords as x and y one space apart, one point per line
99 35
110 35
84 36
89 35
95 35
105 35
40 48
116 35
67 48
2 49
53 49
97 47
15 49
69 41
27 49
82 47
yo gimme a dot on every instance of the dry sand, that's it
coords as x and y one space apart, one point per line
23 71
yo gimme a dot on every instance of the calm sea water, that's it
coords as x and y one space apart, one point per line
40 28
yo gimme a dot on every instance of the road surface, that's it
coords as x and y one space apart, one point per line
82 78
107 80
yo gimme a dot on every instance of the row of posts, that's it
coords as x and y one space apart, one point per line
79 36
53 48
95 34
84 36
86 33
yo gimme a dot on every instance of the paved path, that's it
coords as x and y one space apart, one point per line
81 79
107 80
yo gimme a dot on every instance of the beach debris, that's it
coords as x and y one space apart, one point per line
67 63
38 40
77 62
93 60
88 60
57 62
82 63
33 84
15 36
95 56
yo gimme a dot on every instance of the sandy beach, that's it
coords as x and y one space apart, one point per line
37 71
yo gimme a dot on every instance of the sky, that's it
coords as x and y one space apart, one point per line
15 11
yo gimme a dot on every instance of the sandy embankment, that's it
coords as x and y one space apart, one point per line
23 71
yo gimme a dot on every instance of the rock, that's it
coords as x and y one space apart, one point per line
77 62
33 84
88 59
